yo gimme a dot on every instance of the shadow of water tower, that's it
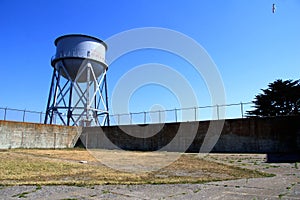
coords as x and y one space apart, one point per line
78 91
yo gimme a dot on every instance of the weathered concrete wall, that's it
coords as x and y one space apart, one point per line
250 135
31 135
260 135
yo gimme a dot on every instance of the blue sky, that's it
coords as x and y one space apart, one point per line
250 45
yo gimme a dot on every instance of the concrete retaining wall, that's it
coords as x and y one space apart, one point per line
260 135
250 135
31 135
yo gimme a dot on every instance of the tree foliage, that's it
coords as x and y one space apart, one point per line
281 98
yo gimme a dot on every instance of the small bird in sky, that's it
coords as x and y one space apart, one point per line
273 8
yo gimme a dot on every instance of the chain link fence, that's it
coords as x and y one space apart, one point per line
147 117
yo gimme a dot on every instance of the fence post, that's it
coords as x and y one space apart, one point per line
242 109
41 116
195 114
24 115
118 119
130 118
145 117
218 112
5 113
175 114
159 117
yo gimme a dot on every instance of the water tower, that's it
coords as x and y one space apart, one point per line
78 91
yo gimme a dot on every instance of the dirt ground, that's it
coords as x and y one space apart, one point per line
284 185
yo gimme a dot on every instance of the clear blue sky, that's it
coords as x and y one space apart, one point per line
250 45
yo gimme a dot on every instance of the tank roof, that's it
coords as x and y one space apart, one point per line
81 35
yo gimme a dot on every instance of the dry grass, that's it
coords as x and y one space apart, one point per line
52 167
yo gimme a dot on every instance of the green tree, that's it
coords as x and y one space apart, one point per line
281 98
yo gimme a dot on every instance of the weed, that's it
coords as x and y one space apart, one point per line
280 196
274 166
105 191
237 186
173 195
69 199
296 165
38 187
290 187
24 194
196 191
21 195
270 175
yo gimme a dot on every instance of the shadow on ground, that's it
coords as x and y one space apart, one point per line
283 157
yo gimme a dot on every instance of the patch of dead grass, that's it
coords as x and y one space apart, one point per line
56 167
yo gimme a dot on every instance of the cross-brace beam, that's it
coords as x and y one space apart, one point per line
75 103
